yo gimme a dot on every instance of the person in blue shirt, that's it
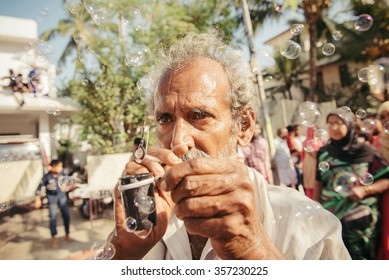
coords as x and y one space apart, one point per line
56 197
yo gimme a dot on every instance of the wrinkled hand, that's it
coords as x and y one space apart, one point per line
128 245
215 199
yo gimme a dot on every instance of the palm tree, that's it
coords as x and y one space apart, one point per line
313 11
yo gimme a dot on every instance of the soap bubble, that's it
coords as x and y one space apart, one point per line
328 49
290 50
321 135
101 250
51 108
337 35
344 182
345 113
309 146
363 23
77 38
268 78
360 113
144 83
35 80
3 207
85 82
100 86
130 224
138 55
386 127
13 77
146 204
324 166
365 74
65 183
309 114
74 6
368 125
366 179
296 29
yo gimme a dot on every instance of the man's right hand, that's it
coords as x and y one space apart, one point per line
129 245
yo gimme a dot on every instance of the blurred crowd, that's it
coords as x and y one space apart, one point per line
346 172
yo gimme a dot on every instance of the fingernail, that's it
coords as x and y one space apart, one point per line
163 185
174 158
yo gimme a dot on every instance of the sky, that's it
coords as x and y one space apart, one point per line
57 10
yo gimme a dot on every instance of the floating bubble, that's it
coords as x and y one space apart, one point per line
321 135
35 80
368 126
328 49
344 182
278 8
65 183
100 85
98 13
77 38
130 224
43 15
102 250
365 74
290 50
144 83
296 29
3 207
337 35
346 113
56 112
311 118
146 204
324 166
360 113
307 105
386 127
309 146
363 23
366 179
268 78
74 6
85 82
13 77
138 55
50 108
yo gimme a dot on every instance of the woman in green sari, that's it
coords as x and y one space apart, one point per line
350 175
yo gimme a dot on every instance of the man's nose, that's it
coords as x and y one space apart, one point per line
182 140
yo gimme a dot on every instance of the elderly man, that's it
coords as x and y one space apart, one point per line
210 205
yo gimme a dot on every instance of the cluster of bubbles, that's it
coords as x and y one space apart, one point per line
43 15
345 181
52 109
103 250
3 207
306 210
296 29
367 125
371 74
65 183
39 50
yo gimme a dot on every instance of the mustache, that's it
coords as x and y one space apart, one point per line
195 153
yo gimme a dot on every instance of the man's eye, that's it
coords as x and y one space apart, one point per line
199 115
164 119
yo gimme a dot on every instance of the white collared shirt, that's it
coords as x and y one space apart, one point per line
299 227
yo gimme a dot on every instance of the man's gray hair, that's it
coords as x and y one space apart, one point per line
209 44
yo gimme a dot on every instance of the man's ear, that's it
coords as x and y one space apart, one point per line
246 130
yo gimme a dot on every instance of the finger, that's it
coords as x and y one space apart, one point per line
209 185
214 206
164 155
200 166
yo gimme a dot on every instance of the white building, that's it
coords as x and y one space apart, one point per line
29 113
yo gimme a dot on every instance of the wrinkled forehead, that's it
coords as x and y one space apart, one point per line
203 71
